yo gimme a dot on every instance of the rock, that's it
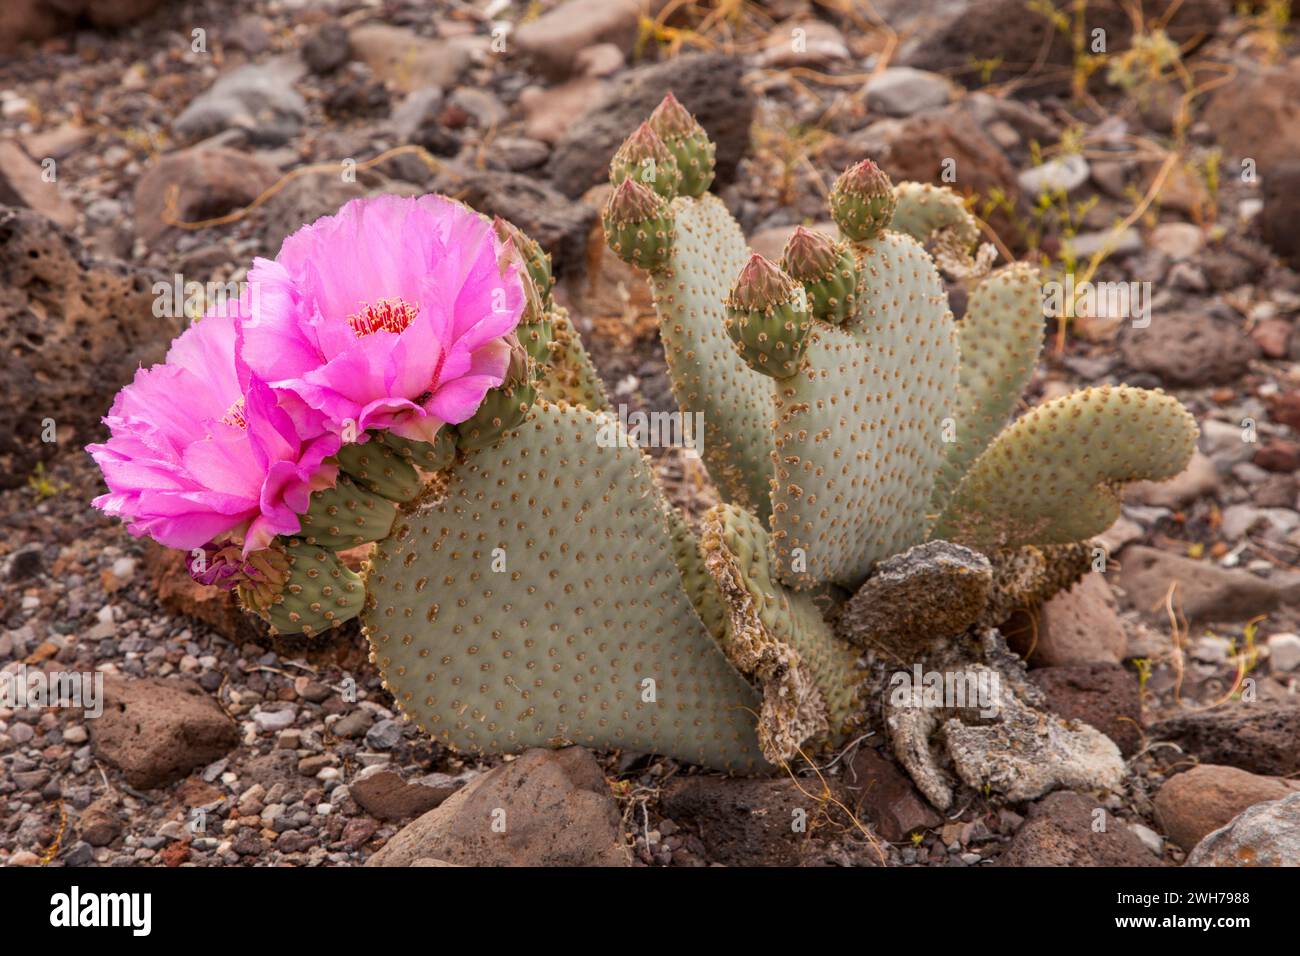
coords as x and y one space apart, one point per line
547 216
930 593
1206 592
1062 174
1280 455
902 91
1273 523
600 59
517 153
209 182
553 41
880 791
1177 240
1199 478
1268 834
156 730
305 199
387 796
751 822
803 43
548 113
1277 219
257 98
99 824
1273 336
270 721
545 808
181 594
36 20
1285 409
1078 626
1060 830
327 48
1102 695
23 184
1284 652
63 314
407 61
707 84
1003 33
384 735
1189 805
1189 348
1254 116
1259 737
354 724
1226 441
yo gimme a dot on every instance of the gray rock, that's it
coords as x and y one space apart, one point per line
1061 830
1189 348
1061 174
903 90
1259 737
1206 592
384 735
258 98
327 48
1268 834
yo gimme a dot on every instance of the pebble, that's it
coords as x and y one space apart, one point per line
273 720
1060 174
384 735
1284 651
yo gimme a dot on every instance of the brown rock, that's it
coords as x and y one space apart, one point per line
886 796
1285 409
1078 626
1273 336
99 824
1189 348
552 41
156 731
1190 805
208 182
407 61
751 822
1259 737
1205 591
72 331
1279 455
1257 115
546 808
181 594
1061 831
1102 695
22 184
548 113
23 21
386 796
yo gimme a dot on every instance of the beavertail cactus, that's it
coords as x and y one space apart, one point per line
524 580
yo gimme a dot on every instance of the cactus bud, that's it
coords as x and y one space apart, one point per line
862 201
537 262
768 319
827 271
688 142
638 225
645 158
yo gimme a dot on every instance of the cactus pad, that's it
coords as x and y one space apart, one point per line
583 633
1053 477
346 515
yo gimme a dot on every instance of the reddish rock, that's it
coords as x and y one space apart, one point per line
157 730
174 854
545 808
1279 455
197 184
1256 115
1061 831
1272 336
1102 695
22 184
1285 409
181 594
99 824
1192 804
1259 737
879 790
387 796
1078 626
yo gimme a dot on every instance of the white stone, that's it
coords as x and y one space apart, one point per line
903 90
1063 173
1284 651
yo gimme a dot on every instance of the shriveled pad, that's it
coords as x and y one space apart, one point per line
808 676
557 647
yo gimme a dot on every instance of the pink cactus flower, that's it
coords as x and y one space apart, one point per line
200 450
391 314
